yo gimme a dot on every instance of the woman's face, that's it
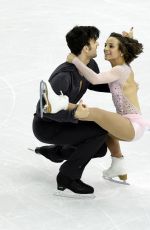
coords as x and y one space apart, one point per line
111 49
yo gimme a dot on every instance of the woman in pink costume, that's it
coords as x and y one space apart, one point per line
127 124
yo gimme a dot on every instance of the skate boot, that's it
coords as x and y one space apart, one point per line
53 103
117 169
67 187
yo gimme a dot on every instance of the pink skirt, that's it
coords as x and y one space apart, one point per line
139 123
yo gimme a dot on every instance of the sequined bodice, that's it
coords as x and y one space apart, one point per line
121 102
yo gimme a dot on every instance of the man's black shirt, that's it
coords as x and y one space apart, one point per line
67 79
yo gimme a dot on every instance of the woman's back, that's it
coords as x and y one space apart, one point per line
130 89
124 93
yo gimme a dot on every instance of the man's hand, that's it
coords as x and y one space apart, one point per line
70 57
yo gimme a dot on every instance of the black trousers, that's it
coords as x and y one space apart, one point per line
87 137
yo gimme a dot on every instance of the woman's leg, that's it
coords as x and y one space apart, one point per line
113 146
117 125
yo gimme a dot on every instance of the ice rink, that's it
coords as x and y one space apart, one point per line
32 35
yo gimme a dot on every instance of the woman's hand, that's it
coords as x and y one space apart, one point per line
128 34
70 57
82 111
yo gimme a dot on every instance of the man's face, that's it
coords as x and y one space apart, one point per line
92 48
111 49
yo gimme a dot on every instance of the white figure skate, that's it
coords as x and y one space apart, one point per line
117 169
53 102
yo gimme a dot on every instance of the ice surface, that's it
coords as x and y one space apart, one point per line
32 35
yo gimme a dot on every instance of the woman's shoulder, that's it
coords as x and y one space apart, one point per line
122 69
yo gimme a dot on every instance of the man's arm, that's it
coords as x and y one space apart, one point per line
100 88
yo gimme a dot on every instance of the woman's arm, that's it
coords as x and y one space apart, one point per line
100 78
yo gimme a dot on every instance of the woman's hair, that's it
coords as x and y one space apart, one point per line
80 36
129 47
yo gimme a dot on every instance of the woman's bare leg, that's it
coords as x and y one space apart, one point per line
118 126
113 146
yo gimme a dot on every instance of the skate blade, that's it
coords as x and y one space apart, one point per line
67 193
44 94
41 98
31 149
116 181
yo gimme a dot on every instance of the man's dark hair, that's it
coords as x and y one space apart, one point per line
129 47
80 36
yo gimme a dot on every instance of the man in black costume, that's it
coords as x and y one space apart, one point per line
72 140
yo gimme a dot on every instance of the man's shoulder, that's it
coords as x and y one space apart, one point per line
64 67
64 70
